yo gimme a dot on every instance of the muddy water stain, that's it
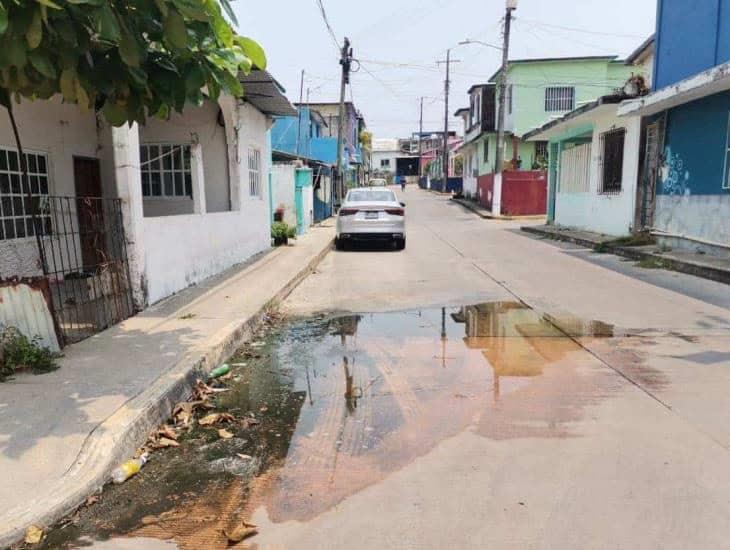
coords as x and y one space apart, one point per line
347 400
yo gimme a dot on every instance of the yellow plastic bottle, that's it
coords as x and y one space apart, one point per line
129 469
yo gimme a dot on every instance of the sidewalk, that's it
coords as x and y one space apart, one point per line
479 210
700 265
62 433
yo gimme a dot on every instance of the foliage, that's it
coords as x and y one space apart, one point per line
282 230
18 353
366 140
126 58
643 238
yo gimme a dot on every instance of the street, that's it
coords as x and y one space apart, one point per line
482 389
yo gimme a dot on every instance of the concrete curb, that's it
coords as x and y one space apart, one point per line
110 442
681 266
484 213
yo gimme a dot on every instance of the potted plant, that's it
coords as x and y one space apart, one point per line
281 232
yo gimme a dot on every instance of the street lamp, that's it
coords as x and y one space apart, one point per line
470 41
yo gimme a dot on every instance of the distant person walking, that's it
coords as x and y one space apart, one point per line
402 183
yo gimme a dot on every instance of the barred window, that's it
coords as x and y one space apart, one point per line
166 170
254 172
16 208
541 150
486 149
612 160
559 98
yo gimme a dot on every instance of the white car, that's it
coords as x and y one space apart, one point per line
379 182
371 214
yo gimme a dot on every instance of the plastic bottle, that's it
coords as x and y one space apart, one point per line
220 371
129 468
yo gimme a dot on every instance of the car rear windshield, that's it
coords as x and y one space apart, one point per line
371 196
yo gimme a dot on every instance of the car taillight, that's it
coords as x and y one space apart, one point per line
348 211
396 211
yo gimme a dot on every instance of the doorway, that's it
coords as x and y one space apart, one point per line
87 179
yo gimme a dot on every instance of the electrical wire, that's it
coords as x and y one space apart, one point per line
330 30
579 30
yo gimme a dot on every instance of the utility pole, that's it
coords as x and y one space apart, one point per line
447 88
346 62
499 162
420 143
299 112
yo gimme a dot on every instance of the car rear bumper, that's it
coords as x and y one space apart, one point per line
370 237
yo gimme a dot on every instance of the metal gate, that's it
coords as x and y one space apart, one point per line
650 173
84 256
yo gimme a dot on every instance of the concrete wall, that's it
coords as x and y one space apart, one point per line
196 123
611 214
592 78
283 190
62 131
691 200
378 156
691 37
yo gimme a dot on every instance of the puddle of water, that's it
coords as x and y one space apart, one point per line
345 401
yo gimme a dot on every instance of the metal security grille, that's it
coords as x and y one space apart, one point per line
166 170
559 98
16 203
254 172
84 256
612 160
575 169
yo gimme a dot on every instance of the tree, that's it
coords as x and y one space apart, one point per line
127 59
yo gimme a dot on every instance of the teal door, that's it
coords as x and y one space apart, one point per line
303 179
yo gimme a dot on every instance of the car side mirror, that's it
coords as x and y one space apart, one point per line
403 204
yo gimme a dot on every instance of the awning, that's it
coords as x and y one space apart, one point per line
574 119
263 92
701 85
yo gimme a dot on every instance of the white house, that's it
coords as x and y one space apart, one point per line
125 217
595 159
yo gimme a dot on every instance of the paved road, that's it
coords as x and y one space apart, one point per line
602 422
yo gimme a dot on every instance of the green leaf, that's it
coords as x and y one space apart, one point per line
253 51
229 11
3 19
129 50
193 9
223 32
34 34
49 4
176 33
114 113
16 54
194 79
42 63
67 83
107 25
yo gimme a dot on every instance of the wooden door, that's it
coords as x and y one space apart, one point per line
90 212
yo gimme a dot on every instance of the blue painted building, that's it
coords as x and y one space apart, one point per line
686 176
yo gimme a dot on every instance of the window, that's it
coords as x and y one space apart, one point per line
385 163
510 90
612 160
254 172
16 221
370 196
541 151
166 171
559 98
486 149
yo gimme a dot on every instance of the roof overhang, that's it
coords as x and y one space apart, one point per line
701 85
263 92
579 117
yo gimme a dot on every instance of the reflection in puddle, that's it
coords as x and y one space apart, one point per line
346 401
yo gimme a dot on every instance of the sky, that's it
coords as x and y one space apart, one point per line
398 42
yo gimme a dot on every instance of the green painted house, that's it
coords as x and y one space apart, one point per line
538 91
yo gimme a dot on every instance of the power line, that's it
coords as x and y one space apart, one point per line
331 31
576 29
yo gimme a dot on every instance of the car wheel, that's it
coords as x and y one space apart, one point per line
339 244
400 244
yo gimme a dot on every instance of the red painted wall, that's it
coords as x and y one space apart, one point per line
485 190
524 193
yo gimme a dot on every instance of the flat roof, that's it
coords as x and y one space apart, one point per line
555 59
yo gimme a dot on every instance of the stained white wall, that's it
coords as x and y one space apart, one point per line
702 217
199 123
283 190
62 131
610 214
183 250
377 156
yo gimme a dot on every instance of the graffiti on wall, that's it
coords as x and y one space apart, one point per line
674 175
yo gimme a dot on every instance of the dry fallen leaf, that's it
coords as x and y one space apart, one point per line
163 443
215 418
167 431
240 532
34 534
225 434
248 422
149 520
93 499
244 457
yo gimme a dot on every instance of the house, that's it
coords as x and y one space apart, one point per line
127 216
537 91
298 144
354 162
392 158
434 165
686 176
594 157
480 124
